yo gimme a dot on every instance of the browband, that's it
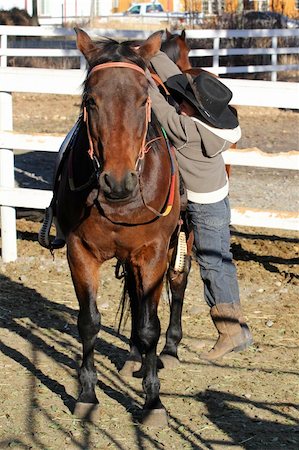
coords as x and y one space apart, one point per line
117 64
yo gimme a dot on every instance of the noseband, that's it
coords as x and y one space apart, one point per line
126 65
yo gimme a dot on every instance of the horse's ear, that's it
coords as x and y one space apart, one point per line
168 34
85 44
183 35
151 46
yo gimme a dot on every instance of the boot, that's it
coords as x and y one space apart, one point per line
44 232
234 334
245 328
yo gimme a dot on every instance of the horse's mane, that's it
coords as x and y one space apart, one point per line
154 130
111 50
171 48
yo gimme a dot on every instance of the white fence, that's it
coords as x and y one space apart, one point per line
246 92
218 37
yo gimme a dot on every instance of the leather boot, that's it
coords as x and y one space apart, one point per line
234 334
245 328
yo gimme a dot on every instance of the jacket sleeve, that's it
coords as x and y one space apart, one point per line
175 125
181 130
164 67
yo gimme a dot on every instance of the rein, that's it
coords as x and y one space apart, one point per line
171 191
145 146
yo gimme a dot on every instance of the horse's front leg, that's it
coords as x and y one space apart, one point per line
84 270
134 360
149 268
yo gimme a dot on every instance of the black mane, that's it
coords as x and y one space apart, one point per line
171 48
111 50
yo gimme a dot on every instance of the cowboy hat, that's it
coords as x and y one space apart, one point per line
207 95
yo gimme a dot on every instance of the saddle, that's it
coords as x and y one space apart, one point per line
67 145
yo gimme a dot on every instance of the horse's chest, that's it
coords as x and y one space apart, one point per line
113 240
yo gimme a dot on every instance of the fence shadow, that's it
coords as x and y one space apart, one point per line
249 431
267 261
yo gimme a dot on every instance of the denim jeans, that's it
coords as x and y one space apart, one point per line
212 242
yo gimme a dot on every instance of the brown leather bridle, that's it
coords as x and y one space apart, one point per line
127 65
144 146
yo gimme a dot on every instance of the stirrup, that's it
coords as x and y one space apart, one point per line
57 243
44 233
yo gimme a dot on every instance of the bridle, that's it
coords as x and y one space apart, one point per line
144 146
127 65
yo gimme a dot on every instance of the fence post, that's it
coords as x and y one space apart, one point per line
216 45
274 58
8 214
3 46
82 62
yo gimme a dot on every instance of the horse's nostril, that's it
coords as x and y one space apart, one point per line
105 183
118 190
131 181
107 180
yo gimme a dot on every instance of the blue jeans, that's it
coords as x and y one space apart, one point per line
212 242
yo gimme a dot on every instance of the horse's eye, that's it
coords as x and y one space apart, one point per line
90 102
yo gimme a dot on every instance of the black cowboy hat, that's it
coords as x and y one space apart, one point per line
208 95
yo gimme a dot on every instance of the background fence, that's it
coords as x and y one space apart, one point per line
220 45
17 79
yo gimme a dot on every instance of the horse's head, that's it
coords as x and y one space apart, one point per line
176 48
116 106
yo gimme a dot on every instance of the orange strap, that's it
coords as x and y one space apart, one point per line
159 82
125 65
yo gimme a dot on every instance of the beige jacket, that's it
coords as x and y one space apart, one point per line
198 149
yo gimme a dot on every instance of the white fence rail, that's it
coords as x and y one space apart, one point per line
218 37
246 92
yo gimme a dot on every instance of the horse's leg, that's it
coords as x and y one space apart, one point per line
177 284
149 269
84 270
134 360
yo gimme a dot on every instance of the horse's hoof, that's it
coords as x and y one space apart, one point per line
155 418
129 368
169 362
86 411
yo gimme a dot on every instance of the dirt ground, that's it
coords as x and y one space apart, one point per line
249 400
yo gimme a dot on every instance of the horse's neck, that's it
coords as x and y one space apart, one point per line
185 65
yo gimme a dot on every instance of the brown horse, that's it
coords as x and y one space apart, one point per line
177 49
121 200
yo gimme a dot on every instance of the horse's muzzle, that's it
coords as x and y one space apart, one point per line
119 191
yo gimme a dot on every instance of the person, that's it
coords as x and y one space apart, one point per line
205 127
